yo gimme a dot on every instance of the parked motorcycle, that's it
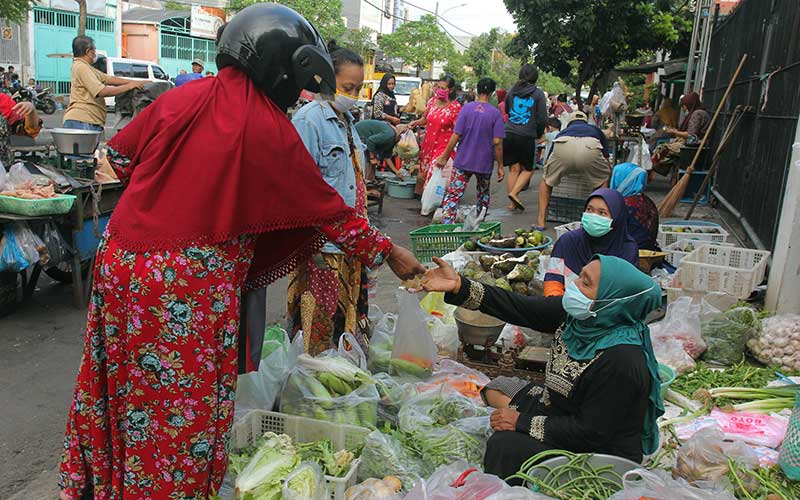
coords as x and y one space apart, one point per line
42 99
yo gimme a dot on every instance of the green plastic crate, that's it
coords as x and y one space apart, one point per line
440 239
61 204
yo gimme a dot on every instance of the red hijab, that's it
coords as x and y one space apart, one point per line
214 160
7 104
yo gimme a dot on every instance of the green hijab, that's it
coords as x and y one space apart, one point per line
621 322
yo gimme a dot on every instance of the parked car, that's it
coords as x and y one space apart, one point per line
134 69
402 91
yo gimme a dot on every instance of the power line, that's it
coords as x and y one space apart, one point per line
440 17
403 19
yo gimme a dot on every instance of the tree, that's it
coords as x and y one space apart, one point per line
359 41
15 10
81 17
457 66
418 43
598 35
325 15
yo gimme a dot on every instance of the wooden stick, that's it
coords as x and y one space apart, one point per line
738 114
668 205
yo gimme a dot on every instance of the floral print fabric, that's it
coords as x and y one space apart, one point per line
153 404
458 184
441 122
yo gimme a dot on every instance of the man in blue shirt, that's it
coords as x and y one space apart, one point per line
197 73
581 150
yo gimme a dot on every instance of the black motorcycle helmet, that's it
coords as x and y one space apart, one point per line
279 50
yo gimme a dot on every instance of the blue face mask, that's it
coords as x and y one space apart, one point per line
595 225
576 304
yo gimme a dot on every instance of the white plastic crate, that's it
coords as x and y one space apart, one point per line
565 228
716 268
303 430
678 250
675 291
670 233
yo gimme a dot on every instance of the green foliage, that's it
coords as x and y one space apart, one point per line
359 41
550 83
173 5
418 43
325 15
15 10
597 35
456 66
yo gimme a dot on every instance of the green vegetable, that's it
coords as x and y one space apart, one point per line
334 384
726 334
334 464
470 246
520 287
575 479
764 400
303 484
503 284
403 367
264 474
740 375
521 273
337 366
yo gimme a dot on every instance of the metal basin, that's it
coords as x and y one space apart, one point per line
476 328
75 142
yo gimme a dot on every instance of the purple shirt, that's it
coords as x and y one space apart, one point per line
478 124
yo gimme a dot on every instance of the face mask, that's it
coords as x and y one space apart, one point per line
595 225
343 102
576 304
442 94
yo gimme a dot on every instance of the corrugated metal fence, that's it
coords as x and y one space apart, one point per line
753 169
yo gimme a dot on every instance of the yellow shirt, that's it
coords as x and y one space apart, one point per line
84 104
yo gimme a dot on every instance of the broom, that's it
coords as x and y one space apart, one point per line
676 193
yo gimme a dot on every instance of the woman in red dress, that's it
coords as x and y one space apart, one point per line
207 215
439 122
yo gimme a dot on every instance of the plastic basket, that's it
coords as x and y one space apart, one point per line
715 268
436 240
565 228
677 250
675 291
304 430
670 233
565 209
61 204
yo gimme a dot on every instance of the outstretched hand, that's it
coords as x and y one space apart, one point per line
442 279
403 263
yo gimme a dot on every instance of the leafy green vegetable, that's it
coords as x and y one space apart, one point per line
335 464
264 474
303 484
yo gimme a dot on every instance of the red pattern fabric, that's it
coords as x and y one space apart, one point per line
201 175
439 129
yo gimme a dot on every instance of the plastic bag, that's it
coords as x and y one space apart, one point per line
350 350
659 484
414 352
670 352
433 195
384 455
12 258
3 177
393 394
726 332
616 102
260 389
457 377
789 458
640 155
57 247
304 394
375 489
753 428
438 408
475 485
472 221
433 303
381 343
704 457
306 482
407 147
33 246
445 336
778 342
518 493
682 323
464 439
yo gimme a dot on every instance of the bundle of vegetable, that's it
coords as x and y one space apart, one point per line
726 333
448 444
575 479
262 478
438 408
778 341
335 464
506 271
330 388
763 400
384 455
393 394
381 344
305 483
413 352
762 484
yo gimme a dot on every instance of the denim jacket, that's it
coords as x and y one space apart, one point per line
325 138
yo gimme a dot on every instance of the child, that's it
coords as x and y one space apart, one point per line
546 144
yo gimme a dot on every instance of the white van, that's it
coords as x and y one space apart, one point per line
133 69
402 90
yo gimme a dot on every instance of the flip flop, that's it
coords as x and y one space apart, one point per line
516 202
538 228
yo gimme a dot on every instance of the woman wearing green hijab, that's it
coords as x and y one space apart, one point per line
601 393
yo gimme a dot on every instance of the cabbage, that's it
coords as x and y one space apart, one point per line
263 476
305 483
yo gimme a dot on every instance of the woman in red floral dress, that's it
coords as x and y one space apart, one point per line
207 215
439 122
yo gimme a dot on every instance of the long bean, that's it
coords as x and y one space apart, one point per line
575 479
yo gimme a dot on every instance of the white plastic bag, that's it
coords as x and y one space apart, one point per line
259 390
414 351
433 195
659 484
306 482
3 177
778 342
407 146
640 155
682 322
670 351
350 350
473 219
446 338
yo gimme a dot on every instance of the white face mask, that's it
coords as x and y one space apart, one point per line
343 102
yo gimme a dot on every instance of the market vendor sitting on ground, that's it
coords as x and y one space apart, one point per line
380 138
479 134
16 118
602 392
630 180
89 87
581 150
604 230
